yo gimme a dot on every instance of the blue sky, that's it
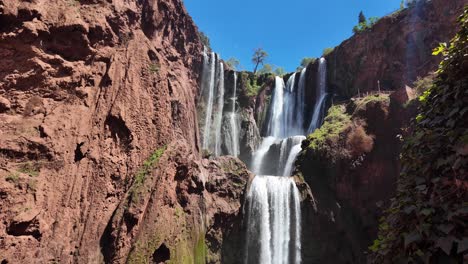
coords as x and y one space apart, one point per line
287 30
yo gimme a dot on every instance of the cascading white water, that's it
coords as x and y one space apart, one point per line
273 202
300 105
287 115
233 123
275 124
211 69
212 88
219 110
274 221
321 95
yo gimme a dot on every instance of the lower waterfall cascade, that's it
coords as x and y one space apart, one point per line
273 204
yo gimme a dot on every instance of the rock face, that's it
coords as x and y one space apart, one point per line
394 51
351 173
189 208
88 91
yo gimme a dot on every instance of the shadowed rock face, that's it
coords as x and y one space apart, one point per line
88 91
351 188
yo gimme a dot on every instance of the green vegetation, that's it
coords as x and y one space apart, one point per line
32 185
362 18
267 68
140 177
233 63
12 177
335 123
154 67
327 51
279 71
29 168
305 62
423 84
258 58
252 87
361 103
204 39
364 24
200 250
426 221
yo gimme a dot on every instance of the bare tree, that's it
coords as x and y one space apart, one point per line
259 57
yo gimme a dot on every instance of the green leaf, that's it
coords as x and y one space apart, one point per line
440 49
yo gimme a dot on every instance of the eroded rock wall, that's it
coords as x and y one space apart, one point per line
89 90
395 51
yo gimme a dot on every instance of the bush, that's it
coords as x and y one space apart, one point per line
205 40
362 26
327 51
153 67
12 177
423 84
335 123
233 63
358 142
252 87
305 62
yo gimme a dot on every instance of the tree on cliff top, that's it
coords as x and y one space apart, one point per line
267 68
362 18
233 63
258 58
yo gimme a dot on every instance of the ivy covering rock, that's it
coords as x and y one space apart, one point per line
427 220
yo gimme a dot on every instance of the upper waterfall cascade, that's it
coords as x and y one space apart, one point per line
212 97
319 107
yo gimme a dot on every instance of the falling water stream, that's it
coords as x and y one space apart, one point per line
319 107
233 148
273 214
212 89
273 202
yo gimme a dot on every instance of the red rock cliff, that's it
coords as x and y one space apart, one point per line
89 90
396 50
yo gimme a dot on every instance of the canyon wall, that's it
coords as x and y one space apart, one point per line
351 165
395 51
99 137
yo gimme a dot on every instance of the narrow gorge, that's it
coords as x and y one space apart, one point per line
125 138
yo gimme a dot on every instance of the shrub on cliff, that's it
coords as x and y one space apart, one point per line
358 142
327 139
423 84
364 25
427 221
205 40
327 51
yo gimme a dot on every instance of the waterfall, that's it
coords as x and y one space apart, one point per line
319 107
212 88
233 123
274 124
219 111
287 116
274 221
211 64
273 202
